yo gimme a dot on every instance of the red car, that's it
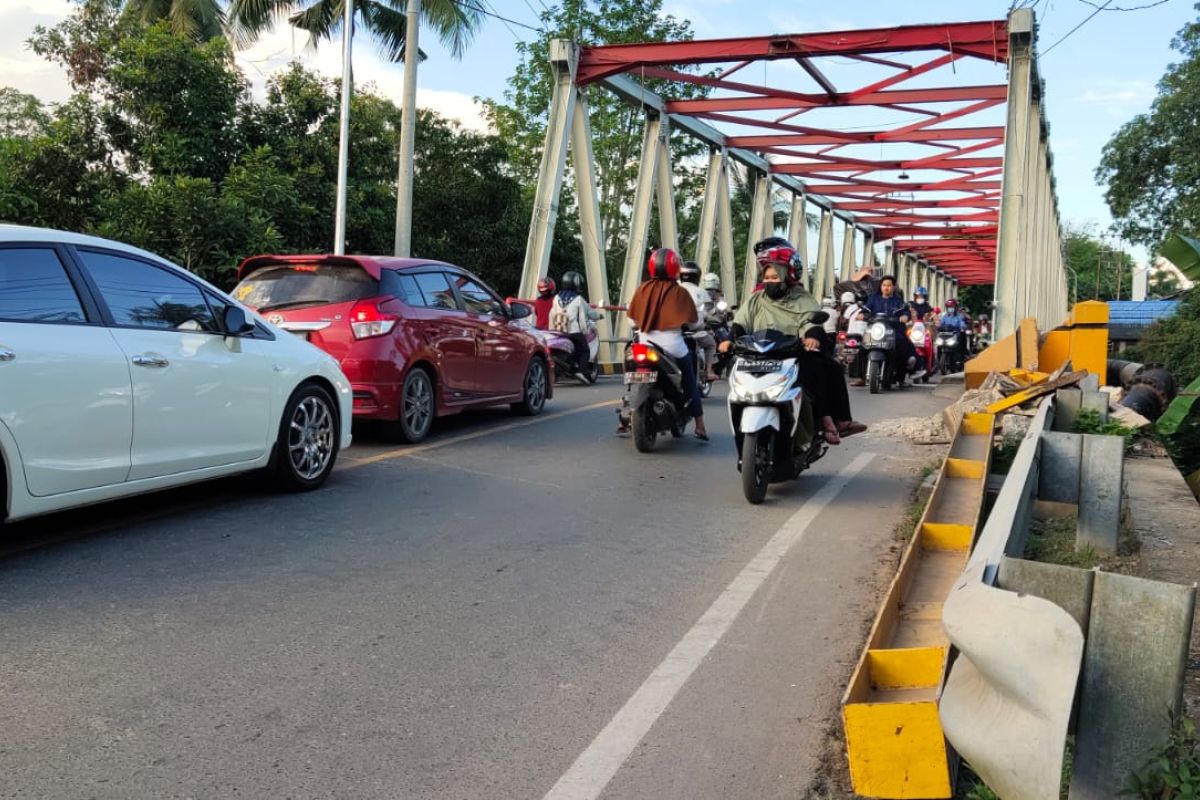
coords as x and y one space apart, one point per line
417 339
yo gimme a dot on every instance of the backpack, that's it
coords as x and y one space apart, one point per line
558 316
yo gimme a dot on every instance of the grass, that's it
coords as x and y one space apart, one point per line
1004 453
1052 541
1089 421
1174 770
972 787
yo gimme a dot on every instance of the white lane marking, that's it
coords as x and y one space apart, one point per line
595 767
388 455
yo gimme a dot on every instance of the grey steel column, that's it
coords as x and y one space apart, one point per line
1009 257
708 211
564 57
759 213
823 274
639 221
591 222
798 234
667 227
725 239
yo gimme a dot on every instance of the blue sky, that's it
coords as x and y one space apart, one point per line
1097 78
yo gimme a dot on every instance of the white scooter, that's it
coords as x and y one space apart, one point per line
766 405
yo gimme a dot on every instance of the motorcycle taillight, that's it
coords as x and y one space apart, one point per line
643 354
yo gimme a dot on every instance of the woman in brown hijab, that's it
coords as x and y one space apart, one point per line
661 309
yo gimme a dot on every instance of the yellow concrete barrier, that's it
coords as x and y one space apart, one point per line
1082 341
894 739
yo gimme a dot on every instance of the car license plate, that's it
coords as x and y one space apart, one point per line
640 377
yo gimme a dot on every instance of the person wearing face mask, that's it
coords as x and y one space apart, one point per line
786 306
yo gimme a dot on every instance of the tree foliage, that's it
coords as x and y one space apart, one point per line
1172 341
162 147
1101 269
616 125
1151 166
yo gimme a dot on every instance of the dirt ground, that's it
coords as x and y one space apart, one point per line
1166 518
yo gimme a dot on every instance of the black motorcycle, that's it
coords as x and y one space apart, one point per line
656 401
949 351
883 366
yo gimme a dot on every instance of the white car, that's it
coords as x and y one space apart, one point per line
121 373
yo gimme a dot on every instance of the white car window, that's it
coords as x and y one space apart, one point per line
141 295
34 287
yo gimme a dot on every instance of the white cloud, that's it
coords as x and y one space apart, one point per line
1119 93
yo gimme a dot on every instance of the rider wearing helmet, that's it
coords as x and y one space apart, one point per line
544 302
920 305
574 316
953 320
689 278
661 309
786 306
853 317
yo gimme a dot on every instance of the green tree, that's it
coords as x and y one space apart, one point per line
1172 341
21 114
1163 283
616 125
1100 268
1151 166
196 19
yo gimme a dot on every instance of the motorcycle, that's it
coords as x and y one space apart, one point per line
846 351
883 367
949 352
655 401
719 318
562 349
923 343
766 402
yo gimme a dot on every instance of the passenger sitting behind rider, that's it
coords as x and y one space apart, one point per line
786 306
660 309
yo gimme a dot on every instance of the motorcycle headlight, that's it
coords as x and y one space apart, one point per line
878 331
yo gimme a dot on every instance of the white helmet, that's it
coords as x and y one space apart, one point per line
827 302
711 280
847 297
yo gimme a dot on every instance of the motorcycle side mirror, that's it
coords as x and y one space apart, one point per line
519 310
819 317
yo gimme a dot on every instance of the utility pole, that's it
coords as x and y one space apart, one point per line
339 215
408 131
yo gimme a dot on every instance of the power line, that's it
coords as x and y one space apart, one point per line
505 23
1077 27
486 12
1119 8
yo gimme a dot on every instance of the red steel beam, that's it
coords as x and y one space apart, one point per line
937 94
987 40
932 135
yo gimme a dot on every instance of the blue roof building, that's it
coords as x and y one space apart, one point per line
1128 319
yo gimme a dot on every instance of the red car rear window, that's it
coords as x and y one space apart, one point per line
298 285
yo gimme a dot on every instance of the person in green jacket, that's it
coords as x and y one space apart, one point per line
785 305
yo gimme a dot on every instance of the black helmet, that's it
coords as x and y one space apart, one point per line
770 242
573 280
690 272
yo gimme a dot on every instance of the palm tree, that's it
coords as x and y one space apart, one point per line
197 19
454 21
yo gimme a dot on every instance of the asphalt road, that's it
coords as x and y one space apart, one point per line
516 608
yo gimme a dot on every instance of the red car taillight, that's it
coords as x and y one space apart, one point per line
643 354
366 320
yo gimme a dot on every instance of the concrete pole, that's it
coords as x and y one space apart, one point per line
759 214
869 258
591 223
668 230
1009 257
564 57
408 129
639 221
725 239
339 214
708 211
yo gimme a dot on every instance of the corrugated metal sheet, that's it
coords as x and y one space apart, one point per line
1127 319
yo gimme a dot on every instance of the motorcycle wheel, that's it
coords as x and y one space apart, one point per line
705 387
874 376
643 437
756 464
593 373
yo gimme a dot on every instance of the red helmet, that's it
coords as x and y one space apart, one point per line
664 264
546 286
951 303
783 256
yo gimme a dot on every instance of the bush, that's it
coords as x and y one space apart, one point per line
1172 341
1173 771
